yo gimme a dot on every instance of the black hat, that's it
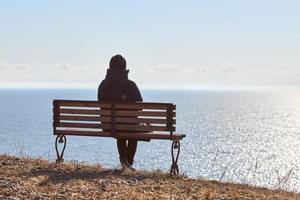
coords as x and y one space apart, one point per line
117 62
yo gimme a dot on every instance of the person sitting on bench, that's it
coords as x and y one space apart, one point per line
117 87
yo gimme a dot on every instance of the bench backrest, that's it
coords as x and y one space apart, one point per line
109 118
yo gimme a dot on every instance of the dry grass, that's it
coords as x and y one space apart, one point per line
25 178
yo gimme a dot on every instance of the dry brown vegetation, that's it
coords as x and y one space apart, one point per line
26 178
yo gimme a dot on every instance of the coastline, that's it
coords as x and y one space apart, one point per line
27 178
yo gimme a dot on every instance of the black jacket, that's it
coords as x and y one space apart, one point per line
117 87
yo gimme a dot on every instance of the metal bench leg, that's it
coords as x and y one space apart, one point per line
60 139
174 167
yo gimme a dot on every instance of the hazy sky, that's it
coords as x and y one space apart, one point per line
167 44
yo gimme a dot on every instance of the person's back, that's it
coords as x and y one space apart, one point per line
117 87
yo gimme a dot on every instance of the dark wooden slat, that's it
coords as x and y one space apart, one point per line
142 106
123 127
118 127
79 118
132 113
59 101
145 136
83 133
80 111
83 104
135 120
83 125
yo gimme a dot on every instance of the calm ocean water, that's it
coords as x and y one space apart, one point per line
244 137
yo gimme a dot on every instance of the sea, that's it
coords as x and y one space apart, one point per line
249 137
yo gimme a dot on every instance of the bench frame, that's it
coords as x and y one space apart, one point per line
113 123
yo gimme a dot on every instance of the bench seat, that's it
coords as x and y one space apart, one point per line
137 135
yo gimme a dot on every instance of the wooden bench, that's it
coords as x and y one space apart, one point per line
138 120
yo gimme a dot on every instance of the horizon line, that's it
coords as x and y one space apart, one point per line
188 88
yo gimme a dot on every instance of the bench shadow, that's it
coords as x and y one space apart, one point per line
57 175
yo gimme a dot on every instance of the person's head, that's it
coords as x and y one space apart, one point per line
117 62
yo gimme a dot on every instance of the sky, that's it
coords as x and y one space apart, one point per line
167 44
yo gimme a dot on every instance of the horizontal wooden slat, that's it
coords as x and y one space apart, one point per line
83 125
80 118
82 104
146 136
118 127
142 106
83 133
131 120
80 111
125 127
131 113
138 136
